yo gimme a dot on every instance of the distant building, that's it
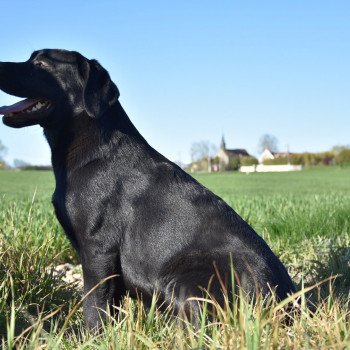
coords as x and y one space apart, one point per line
225 159
226 155
267 154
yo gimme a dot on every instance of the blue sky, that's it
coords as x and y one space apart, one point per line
192 70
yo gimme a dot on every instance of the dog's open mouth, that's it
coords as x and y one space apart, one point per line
25 106
25 111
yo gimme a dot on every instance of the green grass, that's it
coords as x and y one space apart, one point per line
23 184
304 216
312 181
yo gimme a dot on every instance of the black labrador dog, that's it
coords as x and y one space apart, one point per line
128 210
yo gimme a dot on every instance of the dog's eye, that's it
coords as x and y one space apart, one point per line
40 63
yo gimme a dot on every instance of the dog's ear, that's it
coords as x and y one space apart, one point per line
99 90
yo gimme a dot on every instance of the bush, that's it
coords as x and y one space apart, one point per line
37 167
343 158
326 158
234 163
305 159
296 159
276 161
248 161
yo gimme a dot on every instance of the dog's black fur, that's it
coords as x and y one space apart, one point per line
127 209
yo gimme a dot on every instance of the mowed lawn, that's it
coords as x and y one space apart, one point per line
304 216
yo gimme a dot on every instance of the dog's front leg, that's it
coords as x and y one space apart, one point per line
99 296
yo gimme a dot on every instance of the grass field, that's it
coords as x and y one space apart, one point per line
304 216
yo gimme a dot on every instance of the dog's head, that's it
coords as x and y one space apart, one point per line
56 85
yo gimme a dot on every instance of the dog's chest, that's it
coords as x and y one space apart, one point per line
58 201
71 212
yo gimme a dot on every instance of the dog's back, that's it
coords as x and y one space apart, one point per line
182 235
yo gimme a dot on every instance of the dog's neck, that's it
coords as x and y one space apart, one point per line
69 143
83 139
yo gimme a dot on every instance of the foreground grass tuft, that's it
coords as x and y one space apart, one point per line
243 325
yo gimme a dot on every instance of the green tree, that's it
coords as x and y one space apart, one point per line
201 155
247 161
3 150
337 149
234 163
343 157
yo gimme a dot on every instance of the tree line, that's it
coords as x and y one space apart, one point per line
204 156
18 163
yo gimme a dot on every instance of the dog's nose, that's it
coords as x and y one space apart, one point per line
2 68
8 70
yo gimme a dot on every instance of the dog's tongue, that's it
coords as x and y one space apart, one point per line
19 106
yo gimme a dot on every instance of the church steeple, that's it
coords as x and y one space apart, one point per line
223 143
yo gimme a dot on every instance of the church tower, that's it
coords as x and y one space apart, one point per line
223 143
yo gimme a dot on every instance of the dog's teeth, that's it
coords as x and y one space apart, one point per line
38 106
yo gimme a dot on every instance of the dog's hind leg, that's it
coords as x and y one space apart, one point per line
183 300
